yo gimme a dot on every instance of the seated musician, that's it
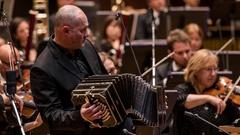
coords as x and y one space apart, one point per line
179 42
108 63
19 29
201 76
196 35
5 54
157 10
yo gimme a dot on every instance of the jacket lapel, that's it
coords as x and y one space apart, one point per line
92 58
64 61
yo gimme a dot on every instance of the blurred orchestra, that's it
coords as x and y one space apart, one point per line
194 90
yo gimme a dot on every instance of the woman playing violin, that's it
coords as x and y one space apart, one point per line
201 75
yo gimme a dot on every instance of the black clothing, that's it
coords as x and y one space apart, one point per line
163 71
187 124
53 77
144 26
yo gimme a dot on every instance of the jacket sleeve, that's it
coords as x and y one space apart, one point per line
46 95
182 96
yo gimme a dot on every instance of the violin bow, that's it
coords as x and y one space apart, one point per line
231 90
224 46
229 93
157 64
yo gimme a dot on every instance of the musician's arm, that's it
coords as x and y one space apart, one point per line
187 100
34 124
194 100
47 98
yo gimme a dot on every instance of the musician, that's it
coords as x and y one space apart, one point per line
157 9
108 63
7 128
179 43
200 76
196 35
67 59
111 42
5 53
19 29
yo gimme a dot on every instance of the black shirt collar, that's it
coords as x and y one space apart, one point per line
77 52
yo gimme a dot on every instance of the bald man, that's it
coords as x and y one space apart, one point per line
5 54
6 128
60 3
67 59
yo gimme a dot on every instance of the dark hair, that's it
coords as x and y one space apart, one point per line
108 21
14 24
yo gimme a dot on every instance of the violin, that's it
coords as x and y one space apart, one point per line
29 108
225 89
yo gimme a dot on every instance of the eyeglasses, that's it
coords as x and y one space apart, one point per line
211 69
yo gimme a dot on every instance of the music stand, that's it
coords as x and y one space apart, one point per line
173 79
181 16
237 10
221 9
143 51
229 60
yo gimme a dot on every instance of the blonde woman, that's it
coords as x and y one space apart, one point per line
196 35
201 75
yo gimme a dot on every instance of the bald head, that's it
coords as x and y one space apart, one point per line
70 15
5 53
71 27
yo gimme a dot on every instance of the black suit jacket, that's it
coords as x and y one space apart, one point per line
144 26
53 77
163 71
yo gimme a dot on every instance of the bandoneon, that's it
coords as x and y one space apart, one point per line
119 96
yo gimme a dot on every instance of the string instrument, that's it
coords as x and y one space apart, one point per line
29 108
225 88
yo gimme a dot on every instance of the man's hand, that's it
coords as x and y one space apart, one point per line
91 112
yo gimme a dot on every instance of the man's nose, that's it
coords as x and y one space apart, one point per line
186 55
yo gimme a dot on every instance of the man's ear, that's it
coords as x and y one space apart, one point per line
66 29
